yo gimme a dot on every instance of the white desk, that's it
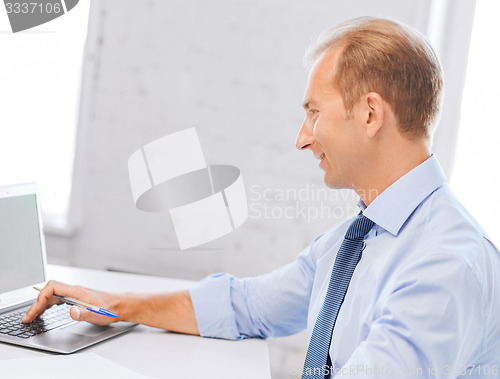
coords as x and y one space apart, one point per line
155 352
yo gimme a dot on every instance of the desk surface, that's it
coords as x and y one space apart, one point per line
155 352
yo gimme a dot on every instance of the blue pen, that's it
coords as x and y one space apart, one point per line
90 307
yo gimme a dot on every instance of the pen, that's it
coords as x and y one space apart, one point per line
90 307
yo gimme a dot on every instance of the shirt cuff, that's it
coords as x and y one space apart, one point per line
213 309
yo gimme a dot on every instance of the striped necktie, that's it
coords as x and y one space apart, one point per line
317 364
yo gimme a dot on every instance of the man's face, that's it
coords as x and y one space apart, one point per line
327 131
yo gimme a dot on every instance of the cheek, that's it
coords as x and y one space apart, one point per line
322 130
337 142
325 132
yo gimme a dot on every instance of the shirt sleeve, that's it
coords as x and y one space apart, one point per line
271 305
420 328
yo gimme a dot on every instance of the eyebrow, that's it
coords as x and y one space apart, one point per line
307 104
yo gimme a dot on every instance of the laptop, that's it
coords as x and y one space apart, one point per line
22 266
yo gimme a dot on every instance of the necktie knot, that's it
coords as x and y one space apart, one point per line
359 227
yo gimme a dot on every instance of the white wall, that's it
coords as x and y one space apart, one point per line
234 70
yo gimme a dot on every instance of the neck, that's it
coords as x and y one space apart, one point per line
388 168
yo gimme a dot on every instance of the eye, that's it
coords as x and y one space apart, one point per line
314 114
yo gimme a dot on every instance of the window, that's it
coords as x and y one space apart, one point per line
476 176
40 74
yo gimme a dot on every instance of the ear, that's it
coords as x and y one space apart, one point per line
373 112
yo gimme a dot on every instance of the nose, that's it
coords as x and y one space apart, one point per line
305 138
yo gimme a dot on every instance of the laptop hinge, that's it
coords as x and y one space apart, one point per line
16 306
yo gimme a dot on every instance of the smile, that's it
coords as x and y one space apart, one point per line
322 158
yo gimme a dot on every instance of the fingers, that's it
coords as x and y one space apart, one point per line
75 313
46 299
82 314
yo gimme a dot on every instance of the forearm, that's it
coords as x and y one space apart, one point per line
171 311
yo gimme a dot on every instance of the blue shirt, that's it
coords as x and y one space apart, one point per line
424 300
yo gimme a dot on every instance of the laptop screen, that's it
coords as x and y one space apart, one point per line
21 255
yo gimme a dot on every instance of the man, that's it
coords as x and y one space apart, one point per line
410 286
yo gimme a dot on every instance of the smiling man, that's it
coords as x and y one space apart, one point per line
409 287
360 142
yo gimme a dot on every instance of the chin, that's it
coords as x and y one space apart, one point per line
333 182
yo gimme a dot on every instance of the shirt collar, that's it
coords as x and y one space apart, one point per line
392 207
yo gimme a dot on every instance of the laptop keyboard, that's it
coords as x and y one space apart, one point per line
54 317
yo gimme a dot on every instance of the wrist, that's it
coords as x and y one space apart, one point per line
121 304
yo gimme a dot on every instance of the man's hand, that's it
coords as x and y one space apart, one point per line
101 299
171 311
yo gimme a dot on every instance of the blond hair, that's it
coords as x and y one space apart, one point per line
383 56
